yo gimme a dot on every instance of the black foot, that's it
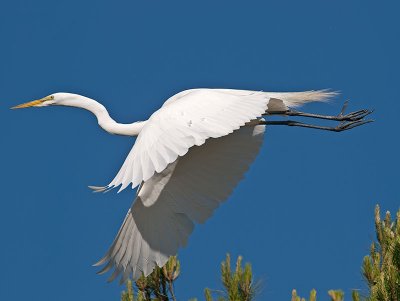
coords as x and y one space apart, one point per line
353 116
347 125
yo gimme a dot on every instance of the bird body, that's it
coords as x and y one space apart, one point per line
187 159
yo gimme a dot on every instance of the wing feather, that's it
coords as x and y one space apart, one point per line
190 117
168 205
188 121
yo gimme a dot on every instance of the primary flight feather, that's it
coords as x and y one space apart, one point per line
187 159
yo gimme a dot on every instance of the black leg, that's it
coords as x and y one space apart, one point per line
353 116
343 126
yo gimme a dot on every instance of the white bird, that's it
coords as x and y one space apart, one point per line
183 175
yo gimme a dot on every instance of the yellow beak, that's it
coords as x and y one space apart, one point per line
31 103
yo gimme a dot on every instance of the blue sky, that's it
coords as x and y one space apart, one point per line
304 214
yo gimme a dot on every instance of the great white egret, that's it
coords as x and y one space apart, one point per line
183 175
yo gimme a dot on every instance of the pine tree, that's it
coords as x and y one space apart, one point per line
381 270
158 286
238 284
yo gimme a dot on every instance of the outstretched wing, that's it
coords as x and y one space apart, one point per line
187 119
192 116
170 202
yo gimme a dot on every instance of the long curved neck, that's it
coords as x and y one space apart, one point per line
103 118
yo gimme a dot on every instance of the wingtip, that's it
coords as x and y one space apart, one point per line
97 189
97 264
104 260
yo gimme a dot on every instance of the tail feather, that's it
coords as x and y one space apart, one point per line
296 99
281 101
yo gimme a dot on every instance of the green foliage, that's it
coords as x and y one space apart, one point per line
313 296
128 294
381 268
336 295
158 286
355 295
238 284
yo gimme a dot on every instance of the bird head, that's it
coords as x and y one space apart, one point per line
42 102
52 99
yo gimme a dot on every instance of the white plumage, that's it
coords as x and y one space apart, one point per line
186 192
188 157
191 117
182 123
177 193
